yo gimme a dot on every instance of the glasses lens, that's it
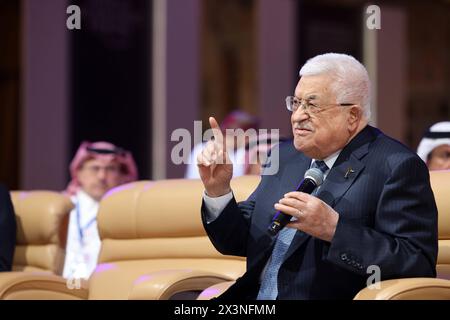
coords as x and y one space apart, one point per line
290 101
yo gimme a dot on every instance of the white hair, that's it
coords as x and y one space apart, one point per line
351 80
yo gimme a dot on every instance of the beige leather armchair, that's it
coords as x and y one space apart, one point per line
440 182
41 218
410 288
153 247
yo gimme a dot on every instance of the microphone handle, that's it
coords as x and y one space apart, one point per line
280 219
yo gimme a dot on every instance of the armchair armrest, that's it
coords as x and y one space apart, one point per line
162 285
215 290
408 289
38 286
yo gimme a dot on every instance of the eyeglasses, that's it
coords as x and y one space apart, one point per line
293 103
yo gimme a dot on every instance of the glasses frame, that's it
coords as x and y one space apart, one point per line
311 108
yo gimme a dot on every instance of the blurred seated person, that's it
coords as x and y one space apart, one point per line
234 120
7 230
434 148
258 151
96 168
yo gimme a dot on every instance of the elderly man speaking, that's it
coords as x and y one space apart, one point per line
375 209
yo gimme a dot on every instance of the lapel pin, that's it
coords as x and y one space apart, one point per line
349 170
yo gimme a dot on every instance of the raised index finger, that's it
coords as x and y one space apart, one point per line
218 136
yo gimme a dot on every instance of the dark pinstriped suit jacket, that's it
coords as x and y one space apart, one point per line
387 218
7 230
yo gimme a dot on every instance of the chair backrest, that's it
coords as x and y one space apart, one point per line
150 226
440 183
41 218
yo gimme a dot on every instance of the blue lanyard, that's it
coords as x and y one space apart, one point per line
80 228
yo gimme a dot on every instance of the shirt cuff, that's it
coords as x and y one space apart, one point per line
214 206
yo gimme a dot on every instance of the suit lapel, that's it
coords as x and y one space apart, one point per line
339 180
294 173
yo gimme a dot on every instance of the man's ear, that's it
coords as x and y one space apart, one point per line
355 113
79 176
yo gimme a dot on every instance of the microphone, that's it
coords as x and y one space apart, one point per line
312 179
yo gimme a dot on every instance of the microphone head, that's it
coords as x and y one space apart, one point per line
315 174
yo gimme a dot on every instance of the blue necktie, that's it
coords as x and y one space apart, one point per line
321 165
269 283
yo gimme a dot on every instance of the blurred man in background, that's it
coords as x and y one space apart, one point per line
7 230
434 148
236 147
257 152
96 168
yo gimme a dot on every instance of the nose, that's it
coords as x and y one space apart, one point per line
101 174
299 115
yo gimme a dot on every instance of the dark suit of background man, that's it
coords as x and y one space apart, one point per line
7 230
375 206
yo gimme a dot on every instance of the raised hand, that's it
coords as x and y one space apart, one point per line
215 167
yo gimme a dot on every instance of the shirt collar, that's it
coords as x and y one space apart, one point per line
330 160
86 200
